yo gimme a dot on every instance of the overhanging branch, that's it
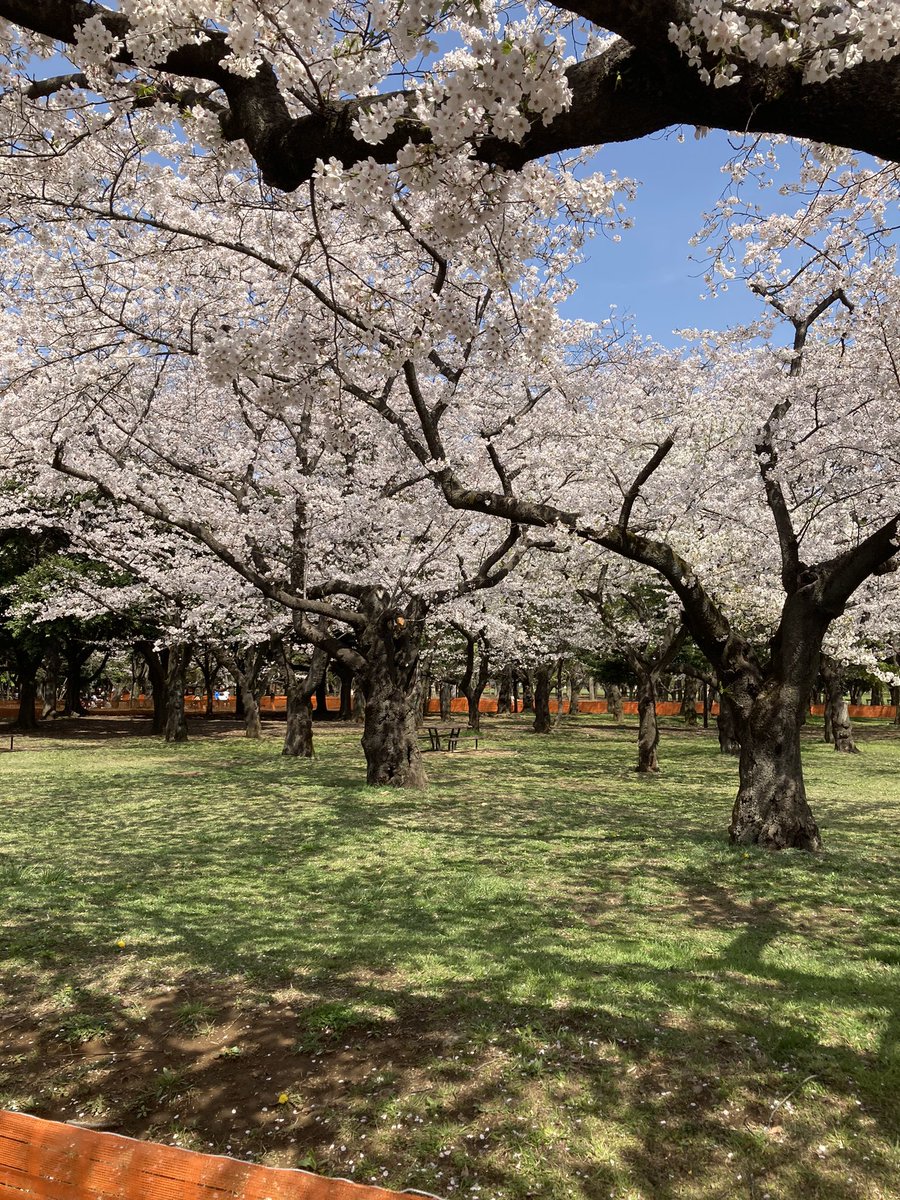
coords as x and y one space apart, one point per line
635 87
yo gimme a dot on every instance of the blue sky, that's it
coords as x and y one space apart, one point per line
649 274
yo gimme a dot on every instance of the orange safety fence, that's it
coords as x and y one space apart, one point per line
488 704
46 1160
860 710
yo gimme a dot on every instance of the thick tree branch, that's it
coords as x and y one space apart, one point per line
841 576
766 451
640 479
625 92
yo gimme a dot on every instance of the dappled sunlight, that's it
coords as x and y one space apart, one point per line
543 973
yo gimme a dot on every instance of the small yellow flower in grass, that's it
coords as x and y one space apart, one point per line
120 944
283 1098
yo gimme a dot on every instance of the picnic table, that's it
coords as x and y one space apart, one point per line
448 737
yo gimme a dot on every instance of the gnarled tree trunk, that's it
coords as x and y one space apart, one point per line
176 724
576 682
504 692
157 664
27 667
76 657
298 730
689 701
613 694
299 687
527 692
320 712
472 683
541 700
728 725
345 712
648 728
390 643
771 809
445 695
837 715
246 665
250 701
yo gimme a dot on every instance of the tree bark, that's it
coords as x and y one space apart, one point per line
689 701
613 701
27 667
445 694
842 728
527 692
320 712
299 687
836 708
250 704
390 642
558 715
157 664
209 669
771 809
176 724
728 725
575 682
504 692
638 84
76 657
345 712
648 728
828 722
895 700
472 683
298 733
877 697
541 700
246 665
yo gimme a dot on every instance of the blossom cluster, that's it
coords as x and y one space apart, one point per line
822 39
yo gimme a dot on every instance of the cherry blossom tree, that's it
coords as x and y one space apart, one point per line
647 635
278 380
317 81
746 445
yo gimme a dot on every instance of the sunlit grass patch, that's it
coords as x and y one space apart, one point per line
543 976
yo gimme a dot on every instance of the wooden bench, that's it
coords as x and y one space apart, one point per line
46 1160
451 738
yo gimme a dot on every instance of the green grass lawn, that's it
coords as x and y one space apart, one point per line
543 977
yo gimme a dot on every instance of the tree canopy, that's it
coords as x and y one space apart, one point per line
317 81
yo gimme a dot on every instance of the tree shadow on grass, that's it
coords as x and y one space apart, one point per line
468 1080
618 996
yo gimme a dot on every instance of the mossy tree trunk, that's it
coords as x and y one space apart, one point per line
390 642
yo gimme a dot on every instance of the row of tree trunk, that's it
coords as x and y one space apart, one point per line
761 727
